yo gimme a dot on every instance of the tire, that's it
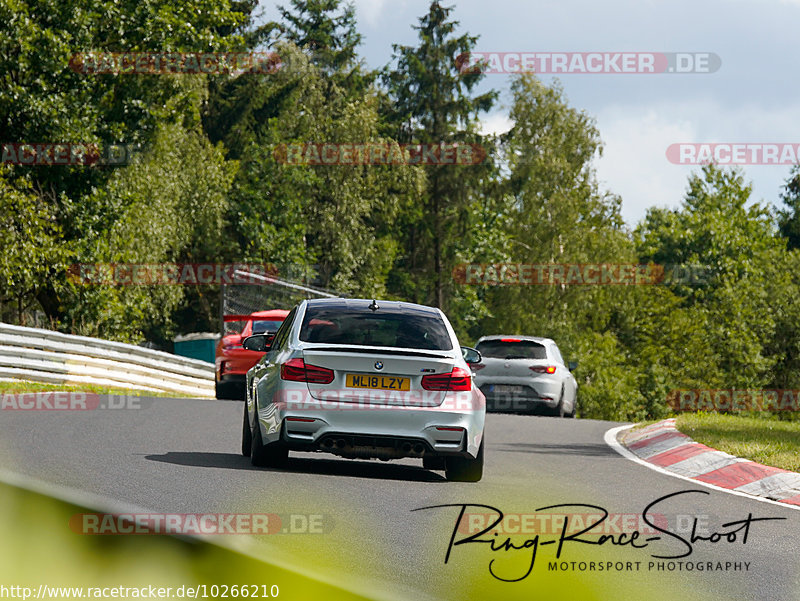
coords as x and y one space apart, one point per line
230 391
574 407
273 455
559 410
432 462
224 391
465 469
247 434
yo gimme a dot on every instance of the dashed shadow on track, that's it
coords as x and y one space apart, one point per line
302 465
589 449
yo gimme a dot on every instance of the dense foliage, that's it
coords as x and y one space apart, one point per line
208 183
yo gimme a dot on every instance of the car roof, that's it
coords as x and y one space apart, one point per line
364 303
516 336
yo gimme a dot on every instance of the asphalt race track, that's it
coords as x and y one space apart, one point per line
182 456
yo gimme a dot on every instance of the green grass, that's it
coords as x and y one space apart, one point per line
768 441
17 386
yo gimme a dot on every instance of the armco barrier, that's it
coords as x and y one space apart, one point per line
53 357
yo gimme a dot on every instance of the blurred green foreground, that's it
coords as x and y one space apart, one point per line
37 547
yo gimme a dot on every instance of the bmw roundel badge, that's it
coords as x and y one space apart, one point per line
378 365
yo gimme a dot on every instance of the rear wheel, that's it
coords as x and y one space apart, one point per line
465 469
574 407
272 455
229 391
247 434
559 410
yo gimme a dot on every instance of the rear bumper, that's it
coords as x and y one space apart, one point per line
379 431
354 446
541 394
518 404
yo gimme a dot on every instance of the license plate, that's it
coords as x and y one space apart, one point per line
378 382
508 388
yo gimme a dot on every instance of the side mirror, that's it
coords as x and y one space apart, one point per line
471 355
258 342
573 365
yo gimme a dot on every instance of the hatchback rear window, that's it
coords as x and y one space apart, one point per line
522 349
398 327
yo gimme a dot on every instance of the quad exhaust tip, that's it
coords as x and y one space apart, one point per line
406 449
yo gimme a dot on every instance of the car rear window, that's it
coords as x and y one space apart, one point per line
522 349
259 327
389 326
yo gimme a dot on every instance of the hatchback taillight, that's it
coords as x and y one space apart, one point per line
457 380
543 369
297 370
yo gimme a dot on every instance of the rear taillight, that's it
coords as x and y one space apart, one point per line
297 370
294 370
543 369
456 380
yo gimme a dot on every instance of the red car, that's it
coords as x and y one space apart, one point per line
232 361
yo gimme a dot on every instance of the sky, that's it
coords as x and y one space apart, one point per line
752 98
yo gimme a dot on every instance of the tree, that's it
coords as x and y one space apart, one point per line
556 214
432 104
334 219
789 218
167 207
326 31
30 252
719 331
44 100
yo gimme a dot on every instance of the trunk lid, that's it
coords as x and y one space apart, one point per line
378 375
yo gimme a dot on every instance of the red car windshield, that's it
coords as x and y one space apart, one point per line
259 327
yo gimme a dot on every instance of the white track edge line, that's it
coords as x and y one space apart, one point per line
610 438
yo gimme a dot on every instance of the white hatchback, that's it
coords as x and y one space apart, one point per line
525 374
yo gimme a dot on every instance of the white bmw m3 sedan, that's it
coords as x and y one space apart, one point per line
366 379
